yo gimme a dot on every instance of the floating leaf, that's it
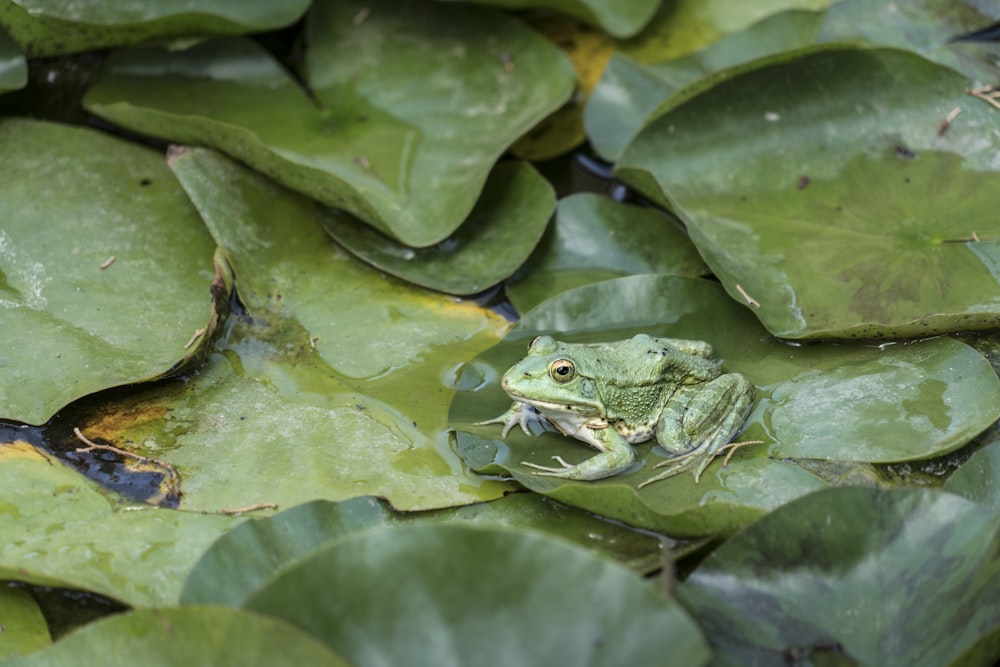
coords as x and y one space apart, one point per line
629 91
857 222
105 267
622 19
188 637
336 385
24 627
905 576
498 236
242 560
13 66
979 478
928 27
52 27
595 238
834 402
61 529
416 105
448 595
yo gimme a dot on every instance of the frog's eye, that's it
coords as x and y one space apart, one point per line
562 370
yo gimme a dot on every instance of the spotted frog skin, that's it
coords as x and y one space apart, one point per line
612 395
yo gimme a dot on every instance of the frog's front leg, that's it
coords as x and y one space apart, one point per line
517 413
615 456
699 421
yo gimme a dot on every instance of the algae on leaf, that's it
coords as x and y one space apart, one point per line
335 384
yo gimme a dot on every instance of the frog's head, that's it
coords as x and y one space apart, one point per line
550 379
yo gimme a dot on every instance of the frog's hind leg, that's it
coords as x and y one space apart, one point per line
699 426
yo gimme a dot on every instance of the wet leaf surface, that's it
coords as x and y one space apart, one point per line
336 383
91 224
847 231
906 577
398 131
477 593
60 529
833 402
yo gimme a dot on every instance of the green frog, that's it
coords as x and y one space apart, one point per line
612 394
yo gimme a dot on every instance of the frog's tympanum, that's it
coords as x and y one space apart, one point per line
612 394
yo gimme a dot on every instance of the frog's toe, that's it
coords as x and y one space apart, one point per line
565 471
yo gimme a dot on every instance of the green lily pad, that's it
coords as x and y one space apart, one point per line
335 385
243 560
594 238
978 478
405 132
629 91
13 66
868 224
685 26
51 27
901 402
450 595
60 529
925 26
497 237
905 576
188 637
24 627
621 19
105 268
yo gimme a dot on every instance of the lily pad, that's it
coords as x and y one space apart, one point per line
594 238
929 27
906 577
13 66
60 529
629 91
497 237
415 104
858 222
242 560
902 402
24 627
449 595
335 385
188 637
978 478
105 268
621 19
51 27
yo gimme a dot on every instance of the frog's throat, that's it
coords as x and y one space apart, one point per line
577 409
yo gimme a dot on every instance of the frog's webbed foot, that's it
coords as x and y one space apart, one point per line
518 414
551 472
697 459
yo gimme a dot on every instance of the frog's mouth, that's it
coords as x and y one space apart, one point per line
582 410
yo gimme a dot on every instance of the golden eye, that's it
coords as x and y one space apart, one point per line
562 370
